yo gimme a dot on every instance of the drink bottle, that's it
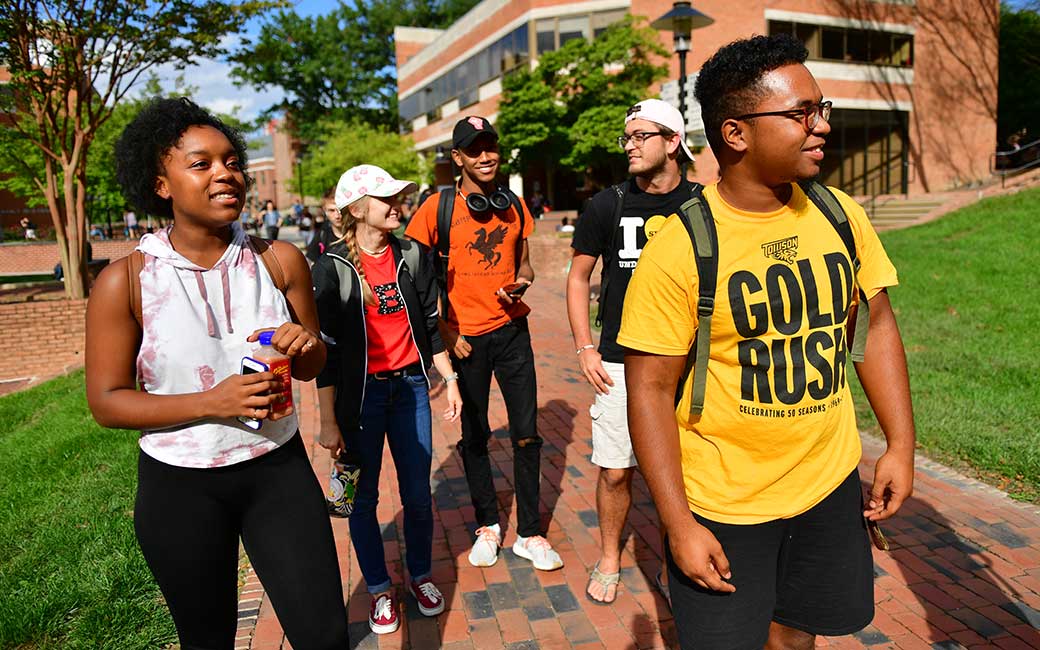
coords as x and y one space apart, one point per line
343 485
281 366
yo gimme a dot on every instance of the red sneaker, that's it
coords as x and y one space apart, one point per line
383 618
428 596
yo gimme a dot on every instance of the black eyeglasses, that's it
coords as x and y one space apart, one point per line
639 137
809 115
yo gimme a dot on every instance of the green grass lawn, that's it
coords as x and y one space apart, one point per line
967 305
71 574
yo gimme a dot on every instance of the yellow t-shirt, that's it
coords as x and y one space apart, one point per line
778 430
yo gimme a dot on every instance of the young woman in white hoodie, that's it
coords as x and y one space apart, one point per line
206 479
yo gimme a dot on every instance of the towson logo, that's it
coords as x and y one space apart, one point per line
784 250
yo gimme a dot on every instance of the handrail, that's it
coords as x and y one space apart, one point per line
1027 157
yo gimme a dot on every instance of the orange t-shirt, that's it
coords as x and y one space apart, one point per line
481 260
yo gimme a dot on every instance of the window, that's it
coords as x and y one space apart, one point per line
546 35
573 27
829 43
469 97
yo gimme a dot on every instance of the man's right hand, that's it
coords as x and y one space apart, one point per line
591 362
700 556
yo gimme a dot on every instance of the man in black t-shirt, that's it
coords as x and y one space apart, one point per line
655 143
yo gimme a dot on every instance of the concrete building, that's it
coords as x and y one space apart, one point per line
914 82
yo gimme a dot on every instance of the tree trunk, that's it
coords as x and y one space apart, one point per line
550 186
76 266
50 192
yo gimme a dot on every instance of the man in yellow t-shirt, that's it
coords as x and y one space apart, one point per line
759 494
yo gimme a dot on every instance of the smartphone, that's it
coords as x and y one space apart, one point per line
249 367
877 538
516 289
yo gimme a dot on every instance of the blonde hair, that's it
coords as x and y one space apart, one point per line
352 214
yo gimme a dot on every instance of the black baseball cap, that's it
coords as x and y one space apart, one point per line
469 129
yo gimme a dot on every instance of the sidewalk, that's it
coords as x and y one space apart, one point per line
964 570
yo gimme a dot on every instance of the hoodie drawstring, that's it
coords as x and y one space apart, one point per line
211 321
225 284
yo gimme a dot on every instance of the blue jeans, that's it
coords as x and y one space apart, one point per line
398 410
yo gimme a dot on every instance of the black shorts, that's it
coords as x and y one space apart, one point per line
813 572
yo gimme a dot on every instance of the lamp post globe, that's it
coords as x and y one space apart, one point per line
681 20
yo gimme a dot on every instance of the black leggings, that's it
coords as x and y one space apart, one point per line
188 523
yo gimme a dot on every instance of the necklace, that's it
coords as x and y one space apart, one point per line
378 252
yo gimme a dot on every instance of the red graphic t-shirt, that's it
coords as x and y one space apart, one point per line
390 345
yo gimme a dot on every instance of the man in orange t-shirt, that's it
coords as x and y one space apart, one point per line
485 329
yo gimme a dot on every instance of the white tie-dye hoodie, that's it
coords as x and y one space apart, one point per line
195 323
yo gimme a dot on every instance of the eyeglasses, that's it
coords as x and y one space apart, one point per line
809 115
639 137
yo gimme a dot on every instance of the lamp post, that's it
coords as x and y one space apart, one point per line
681 20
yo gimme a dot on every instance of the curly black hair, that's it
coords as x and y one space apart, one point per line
146 140
729 83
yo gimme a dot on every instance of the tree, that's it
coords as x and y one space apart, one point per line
570 109
1018 105
340 65
343 145
71 63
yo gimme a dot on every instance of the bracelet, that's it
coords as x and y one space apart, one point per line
590 346
452 377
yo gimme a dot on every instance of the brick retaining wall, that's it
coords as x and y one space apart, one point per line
46 338
42 339
40 257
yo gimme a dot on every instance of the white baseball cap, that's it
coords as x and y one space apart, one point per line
368 180
663 113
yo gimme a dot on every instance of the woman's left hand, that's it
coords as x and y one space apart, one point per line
454 409
291 339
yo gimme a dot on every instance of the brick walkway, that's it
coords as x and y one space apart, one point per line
964 570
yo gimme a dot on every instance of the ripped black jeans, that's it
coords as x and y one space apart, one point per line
506 353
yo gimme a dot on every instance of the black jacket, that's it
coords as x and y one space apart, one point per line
343 324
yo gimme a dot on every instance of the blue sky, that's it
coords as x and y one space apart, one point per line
212 78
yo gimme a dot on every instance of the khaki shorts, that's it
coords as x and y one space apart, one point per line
611 443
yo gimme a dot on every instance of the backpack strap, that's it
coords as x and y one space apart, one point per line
410 253
515 200
696 217
265 250
828 204
345 276
134 264
604 277
445 207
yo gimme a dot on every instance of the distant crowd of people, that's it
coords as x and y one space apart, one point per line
729 316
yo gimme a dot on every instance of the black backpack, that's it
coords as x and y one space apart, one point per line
445 208
700 226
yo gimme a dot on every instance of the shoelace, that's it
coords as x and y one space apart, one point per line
430 591
538 542
383 608
487 534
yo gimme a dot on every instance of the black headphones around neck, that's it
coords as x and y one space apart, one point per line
498 200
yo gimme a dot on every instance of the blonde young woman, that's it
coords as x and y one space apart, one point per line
377 305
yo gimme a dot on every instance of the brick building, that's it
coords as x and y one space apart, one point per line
914 82
273 163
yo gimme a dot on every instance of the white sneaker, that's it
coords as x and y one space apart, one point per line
485 549
538 551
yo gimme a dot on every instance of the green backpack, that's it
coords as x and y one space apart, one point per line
410 253
696 217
